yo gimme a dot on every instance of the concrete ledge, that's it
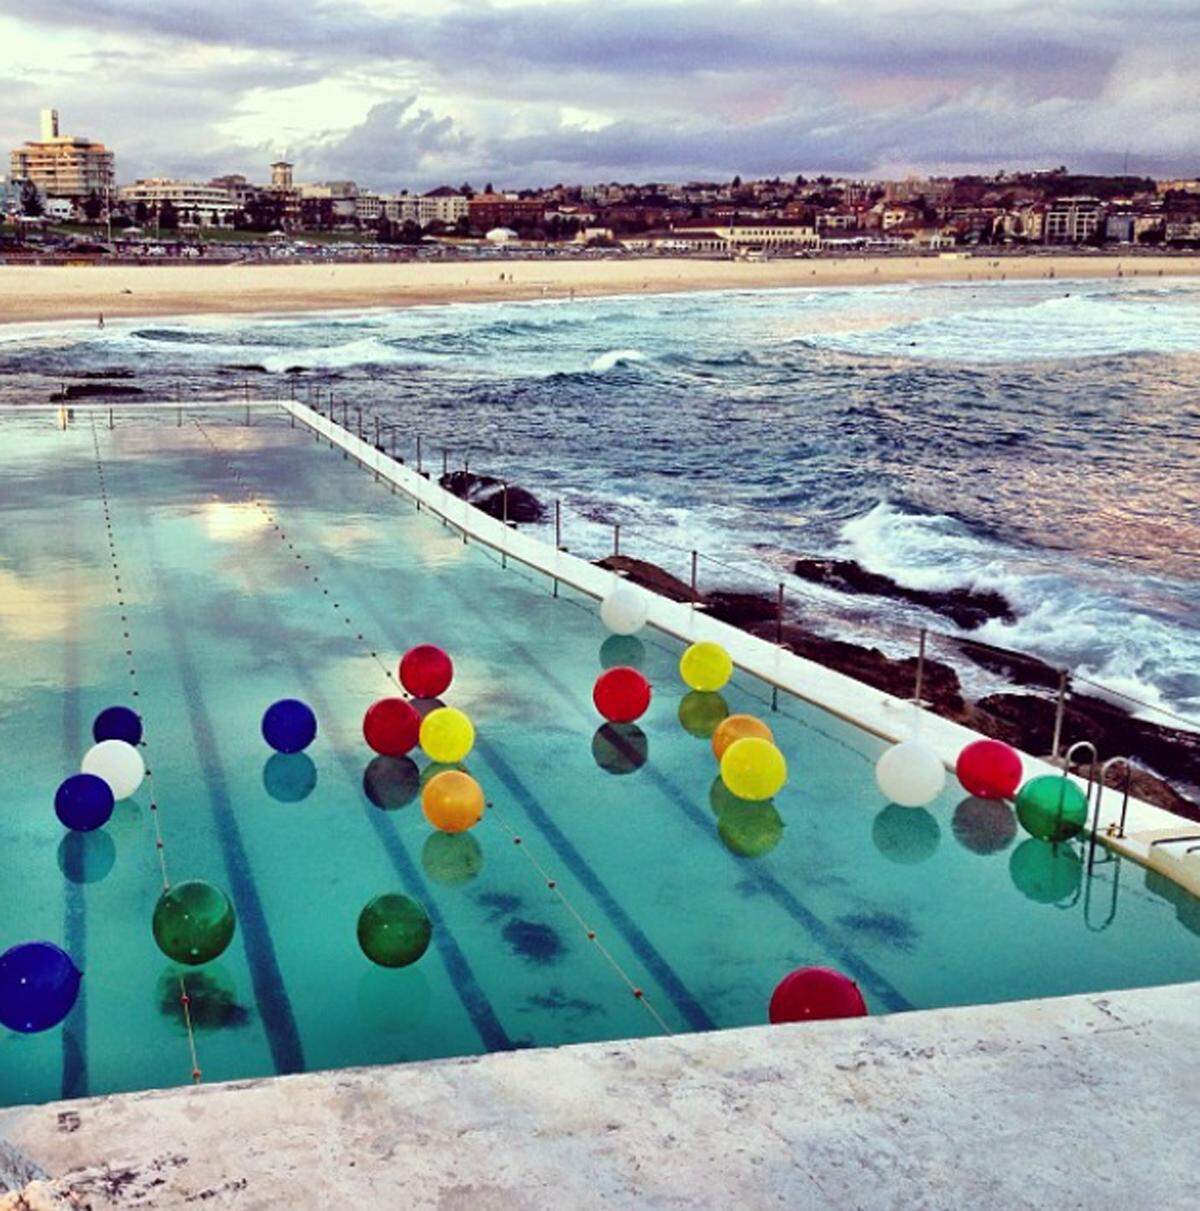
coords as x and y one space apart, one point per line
1074 1102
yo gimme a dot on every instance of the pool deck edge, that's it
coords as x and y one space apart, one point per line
1075 1101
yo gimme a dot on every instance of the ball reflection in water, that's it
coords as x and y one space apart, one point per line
905 835
620 748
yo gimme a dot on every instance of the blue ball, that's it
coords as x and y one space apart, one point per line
118 723
289 725
38 986
84 802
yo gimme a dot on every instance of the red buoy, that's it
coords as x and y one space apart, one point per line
426 671
815 994
989 769
391 726
621 695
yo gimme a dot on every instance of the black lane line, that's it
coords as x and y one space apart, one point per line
274 1006
875 982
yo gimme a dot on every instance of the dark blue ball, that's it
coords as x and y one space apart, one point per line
38 986
118 723
84 802
289 725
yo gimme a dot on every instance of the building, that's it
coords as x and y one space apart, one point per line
1072 220
441 205
207 205
63 166
759 236
488 210
281 175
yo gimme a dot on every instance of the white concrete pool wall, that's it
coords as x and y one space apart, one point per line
882 715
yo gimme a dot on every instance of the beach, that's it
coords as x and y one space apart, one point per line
40 293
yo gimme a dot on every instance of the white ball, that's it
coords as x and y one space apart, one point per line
623 611
118 763
910 774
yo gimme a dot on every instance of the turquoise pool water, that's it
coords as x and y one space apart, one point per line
314 592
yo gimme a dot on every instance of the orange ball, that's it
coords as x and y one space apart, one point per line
738 727
452 801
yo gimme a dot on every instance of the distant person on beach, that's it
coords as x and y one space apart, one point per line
100 320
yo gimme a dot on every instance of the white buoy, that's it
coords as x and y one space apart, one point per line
118 763
910 773
623 611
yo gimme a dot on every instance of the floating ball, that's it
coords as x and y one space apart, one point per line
391 726
753 768
705 666
394 930
289 725
1051 808
905 835
118 763
738 727
621 695
84 802
984 826
701 713
289 777
627 650
39 985
910 773
1045 873
620 748
193 922
453 801
750 830
815 994
391 782
989 769
117 723
624 610
447 735
426 671
451 859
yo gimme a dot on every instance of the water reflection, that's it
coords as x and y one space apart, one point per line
622 651
452 859
391 782
86 857
750 830
905 835
438 767
984 826
424 705
212 998
1045 873
700 712
620 748
393 1000
289 777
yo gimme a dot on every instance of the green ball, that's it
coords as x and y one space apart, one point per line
394 930
193 922
1051 808
1045 873
700 712
750 830
451 859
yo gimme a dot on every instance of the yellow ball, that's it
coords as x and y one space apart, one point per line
446 735
738 727
753 768
705 666
452 801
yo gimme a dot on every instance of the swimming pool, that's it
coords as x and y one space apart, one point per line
250 563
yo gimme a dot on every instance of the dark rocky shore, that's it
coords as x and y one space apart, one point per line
1162 755
511 502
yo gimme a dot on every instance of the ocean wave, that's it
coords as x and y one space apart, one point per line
616 357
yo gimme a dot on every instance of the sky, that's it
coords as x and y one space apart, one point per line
415 93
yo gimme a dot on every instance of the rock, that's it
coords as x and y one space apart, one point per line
1012 666
118 372
251 367
745 610
649 576
80 390
488 493
969 608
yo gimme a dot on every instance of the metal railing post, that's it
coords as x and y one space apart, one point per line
695 574
616 538
1060 711
919 680
779 617
504 519
110 418
558 525
445 461
418 454
358 409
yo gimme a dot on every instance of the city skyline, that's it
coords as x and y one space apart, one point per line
528 95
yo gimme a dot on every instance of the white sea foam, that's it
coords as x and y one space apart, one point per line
616 357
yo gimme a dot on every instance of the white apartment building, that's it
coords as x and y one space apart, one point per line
1072 220
209 205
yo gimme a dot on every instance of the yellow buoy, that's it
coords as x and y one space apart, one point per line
446 735
705 666
753 768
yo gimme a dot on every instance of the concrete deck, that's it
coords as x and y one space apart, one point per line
1080 1102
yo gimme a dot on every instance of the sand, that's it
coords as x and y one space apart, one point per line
39 293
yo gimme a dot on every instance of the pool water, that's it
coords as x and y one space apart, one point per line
256 563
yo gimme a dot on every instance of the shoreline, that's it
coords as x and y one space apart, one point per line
45 293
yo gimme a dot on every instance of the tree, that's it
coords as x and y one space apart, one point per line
141 214
93 206
736 183
466 190
488 188
168 216
31 200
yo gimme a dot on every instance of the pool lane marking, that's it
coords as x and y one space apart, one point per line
127 638
863 971
274 1005
687 1004
458 967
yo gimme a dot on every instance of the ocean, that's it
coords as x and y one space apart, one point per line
1037 438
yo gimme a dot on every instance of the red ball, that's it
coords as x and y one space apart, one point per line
426 671
989 769
815 994
391 726
621 695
